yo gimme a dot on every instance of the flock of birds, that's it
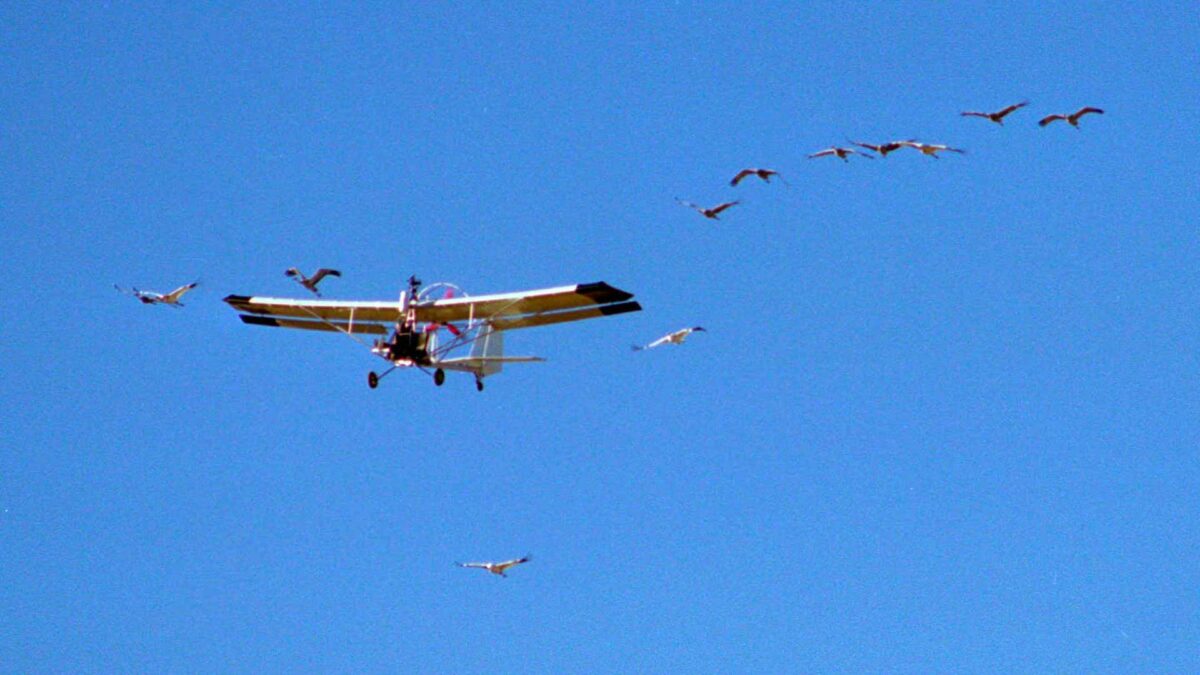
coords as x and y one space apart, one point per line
678 337
883 149
172 299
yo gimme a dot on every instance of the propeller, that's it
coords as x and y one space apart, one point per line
447 293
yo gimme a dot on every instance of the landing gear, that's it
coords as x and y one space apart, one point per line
372 379
439 377
479 384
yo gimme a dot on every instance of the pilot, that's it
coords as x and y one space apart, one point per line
395 347
405 344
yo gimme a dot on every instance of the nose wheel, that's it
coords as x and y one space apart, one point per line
439 377
478 384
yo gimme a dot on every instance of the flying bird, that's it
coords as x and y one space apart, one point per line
998 116
675 338
764 174
311 282
841 153
885 148
495 567
708 213
932 149
1072 119
152 298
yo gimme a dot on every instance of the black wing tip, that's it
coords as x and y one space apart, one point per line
602 293
236 299
620 308
255 320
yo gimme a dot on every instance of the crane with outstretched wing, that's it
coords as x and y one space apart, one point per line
496 567
152 298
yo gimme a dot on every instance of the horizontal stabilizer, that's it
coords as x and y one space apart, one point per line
493 359
484 365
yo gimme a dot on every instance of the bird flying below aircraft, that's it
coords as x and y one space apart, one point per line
311 282
675 338
1072 118
496 567
841 153
764 174
152 298
711 213
998 116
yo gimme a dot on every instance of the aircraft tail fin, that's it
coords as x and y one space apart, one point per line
487 355
489 344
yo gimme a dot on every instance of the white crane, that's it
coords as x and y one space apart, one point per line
932 149
152 298
496 567
675 338
841 153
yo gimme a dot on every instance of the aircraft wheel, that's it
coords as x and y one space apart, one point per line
372 379
478 385
439 376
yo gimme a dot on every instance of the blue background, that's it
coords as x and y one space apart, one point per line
945 418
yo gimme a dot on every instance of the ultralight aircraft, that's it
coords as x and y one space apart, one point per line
409 326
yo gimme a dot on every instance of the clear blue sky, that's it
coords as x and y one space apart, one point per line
946 417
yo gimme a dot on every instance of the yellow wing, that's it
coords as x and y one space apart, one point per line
505 311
